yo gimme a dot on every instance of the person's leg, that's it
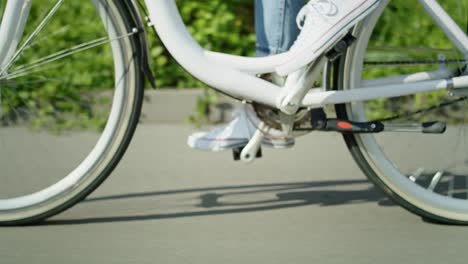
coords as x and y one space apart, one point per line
275 25
276 30
322 23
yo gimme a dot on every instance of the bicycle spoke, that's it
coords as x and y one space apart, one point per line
58 32
401 56
32 71
69 87
57 54
40 80
413 62
414 177
465 135
423 111
435 165
435 180
32 36
23 70
451 186
466 188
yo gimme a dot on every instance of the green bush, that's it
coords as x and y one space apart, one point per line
217 25
407 25
58 92
61 91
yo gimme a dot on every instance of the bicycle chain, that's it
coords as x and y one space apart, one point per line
420 62
423 110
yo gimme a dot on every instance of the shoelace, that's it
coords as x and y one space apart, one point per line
324 8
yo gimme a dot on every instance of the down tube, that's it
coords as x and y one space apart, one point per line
169 25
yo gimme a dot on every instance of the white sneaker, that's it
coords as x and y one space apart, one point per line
322 23
237 134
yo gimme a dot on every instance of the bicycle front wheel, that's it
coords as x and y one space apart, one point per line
427 174
71 93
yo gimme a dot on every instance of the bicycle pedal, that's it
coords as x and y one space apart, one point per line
236 153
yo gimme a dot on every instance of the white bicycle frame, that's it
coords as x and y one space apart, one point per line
236 75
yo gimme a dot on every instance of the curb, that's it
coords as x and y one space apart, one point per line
172 105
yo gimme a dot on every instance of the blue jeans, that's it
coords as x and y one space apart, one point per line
275 25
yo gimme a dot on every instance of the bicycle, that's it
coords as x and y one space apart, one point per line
356 75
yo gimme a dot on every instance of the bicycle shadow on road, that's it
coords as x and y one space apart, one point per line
199 202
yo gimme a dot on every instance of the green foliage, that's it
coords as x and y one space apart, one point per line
59 93
218 25
407 26
64 93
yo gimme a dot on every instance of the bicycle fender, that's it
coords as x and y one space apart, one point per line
142 40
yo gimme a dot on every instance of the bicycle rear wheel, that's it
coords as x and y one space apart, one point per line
427 174
70 101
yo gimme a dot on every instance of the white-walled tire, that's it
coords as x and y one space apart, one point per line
426 174
48 166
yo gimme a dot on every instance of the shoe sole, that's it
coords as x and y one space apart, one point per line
192 143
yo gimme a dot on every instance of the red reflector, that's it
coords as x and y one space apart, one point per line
345 125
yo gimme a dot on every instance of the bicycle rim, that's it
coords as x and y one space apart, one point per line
70 99
427 174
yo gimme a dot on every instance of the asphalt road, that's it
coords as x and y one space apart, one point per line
168 204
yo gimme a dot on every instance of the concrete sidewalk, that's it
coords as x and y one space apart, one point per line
166 203
172 105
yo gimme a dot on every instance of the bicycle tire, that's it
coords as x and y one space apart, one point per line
408 183
93 159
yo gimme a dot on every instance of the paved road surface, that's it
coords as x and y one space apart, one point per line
168 204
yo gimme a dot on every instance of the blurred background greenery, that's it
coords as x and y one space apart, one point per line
228 26
219 25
